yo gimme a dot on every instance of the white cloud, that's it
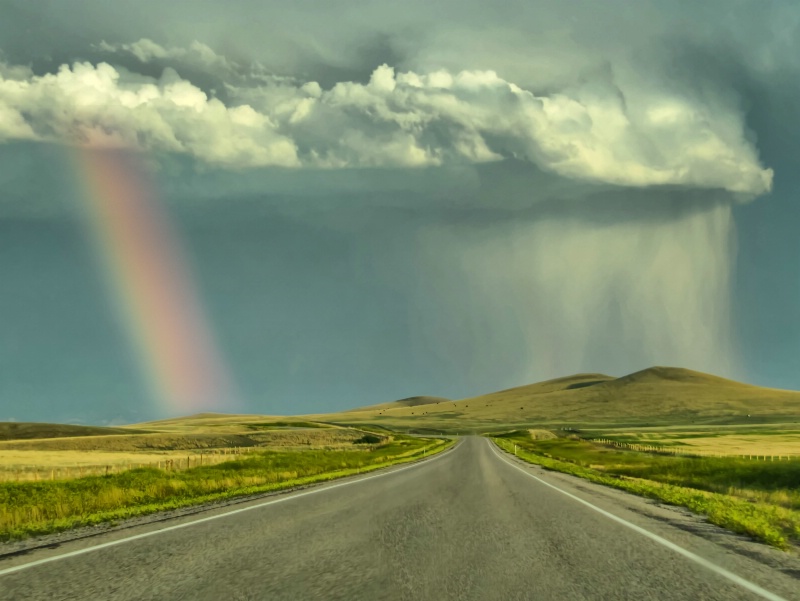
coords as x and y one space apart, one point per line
87 104
396 119
198 56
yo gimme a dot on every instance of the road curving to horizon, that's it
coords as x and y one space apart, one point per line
471 523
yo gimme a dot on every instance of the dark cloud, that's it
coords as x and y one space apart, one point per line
607 238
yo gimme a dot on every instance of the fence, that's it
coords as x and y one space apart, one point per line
690 452
171 462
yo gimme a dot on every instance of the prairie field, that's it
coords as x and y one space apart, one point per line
173 446
81 476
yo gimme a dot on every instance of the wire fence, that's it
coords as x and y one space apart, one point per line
172 462
684 452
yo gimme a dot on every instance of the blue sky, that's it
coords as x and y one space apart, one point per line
379 202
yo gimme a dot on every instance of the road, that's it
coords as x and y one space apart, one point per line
469 524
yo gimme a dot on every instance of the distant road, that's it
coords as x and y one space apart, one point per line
470 524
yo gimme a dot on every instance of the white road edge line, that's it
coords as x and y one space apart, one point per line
662 541
287 497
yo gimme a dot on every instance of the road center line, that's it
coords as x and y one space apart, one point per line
288 497
661 541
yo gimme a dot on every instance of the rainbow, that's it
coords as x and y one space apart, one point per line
153 286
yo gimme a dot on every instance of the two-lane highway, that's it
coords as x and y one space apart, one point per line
470 524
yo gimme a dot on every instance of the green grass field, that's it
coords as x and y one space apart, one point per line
32 508
761 499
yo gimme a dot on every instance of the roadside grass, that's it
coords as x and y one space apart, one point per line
757 499
34 508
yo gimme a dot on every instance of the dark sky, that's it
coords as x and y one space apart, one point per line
376 201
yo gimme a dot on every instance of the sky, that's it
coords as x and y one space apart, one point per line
294 208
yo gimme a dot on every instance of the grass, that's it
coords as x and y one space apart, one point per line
80 456
758 499
34 508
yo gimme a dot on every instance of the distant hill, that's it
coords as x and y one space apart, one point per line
412 401
556 385
658 395
32 430
416 401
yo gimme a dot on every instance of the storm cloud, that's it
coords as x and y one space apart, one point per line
443 198
594 131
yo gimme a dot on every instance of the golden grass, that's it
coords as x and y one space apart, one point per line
721 440
22 466
65 458
738 444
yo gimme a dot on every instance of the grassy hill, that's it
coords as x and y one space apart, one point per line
658 396
654 396
35 430
412 401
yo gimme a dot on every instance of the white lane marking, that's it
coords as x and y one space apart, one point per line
655 537
288 497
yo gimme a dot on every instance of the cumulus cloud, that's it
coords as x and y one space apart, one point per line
147 50
594 130
197 56
98 105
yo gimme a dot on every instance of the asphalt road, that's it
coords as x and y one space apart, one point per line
469 524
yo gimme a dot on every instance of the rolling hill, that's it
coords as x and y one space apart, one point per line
35 430
412 401
657 396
